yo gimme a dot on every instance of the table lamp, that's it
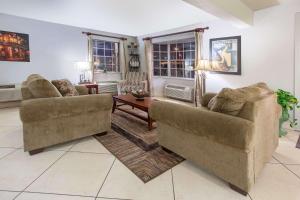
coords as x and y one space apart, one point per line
84 68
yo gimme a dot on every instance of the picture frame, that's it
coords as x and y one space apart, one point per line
226 52
14 47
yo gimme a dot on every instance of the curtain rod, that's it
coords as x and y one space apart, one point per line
176 33
89 33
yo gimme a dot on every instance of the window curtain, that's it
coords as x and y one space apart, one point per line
149 64
123 63
90 57
199 87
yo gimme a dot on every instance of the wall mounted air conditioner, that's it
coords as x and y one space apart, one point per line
179 92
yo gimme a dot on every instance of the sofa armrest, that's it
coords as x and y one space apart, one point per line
82 89
225 129
59 107
206 98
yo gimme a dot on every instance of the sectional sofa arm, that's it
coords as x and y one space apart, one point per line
58 107
206 98
225 129
82 89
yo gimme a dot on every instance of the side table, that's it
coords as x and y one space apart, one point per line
91 86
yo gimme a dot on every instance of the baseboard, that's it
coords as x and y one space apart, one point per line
10 104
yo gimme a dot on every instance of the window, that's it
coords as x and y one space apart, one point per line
174 59
106 56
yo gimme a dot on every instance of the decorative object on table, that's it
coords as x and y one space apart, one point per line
227 52
14 47
84 69
134 61
139 94
288 102
200 78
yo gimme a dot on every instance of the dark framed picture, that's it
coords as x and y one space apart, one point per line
226 54
14 47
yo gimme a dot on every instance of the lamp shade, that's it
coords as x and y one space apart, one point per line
83 66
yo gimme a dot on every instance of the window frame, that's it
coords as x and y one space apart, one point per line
172 61
115 66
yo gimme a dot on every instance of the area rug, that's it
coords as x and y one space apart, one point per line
144 164
134 128
298 143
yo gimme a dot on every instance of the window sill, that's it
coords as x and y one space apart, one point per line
168 77
102 72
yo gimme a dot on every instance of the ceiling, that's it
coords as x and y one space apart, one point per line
130 17
260 4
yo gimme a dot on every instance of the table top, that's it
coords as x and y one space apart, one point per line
131 100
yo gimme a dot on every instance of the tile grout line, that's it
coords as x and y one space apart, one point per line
292 164
9 154
105 178
173 185
91 152
58 194
287 168
41 174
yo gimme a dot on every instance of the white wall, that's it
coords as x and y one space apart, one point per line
297 63
54 49
267 50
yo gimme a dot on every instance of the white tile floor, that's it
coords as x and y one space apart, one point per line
85 170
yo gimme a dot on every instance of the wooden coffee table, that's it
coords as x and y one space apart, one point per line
130 100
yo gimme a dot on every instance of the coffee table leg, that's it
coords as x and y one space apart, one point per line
114 106
150 121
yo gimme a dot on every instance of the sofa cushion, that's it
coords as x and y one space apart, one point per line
41 87
65 87
211 102
231 101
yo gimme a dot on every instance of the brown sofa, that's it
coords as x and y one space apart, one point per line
50 119
235 148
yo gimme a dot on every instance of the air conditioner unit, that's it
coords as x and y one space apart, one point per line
179 92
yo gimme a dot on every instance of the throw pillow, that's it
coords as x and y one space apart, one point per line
211 102
65 87
231 101
41 87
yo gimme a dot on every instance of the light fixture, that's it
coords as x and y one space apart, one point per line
200 79
84 69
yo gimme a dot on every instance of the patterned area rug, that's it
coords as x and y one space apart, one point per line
134 128
146 163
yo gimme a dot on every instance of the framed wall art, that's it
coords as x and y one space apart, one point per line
226 54
14 47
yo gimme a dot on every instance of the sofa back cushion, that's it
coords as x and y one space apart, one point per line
231 101
40 87
65 87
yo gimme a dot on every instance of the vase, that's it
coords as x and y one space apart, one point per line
284 118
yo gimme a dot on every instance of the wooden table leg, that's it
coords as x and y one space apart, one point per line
114 105
150 121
